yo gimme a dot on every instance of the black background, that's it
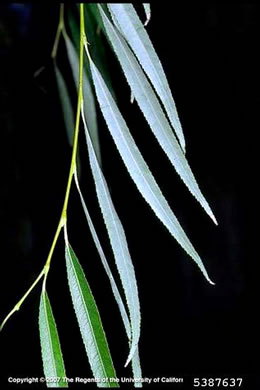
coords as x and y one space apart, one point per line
189 328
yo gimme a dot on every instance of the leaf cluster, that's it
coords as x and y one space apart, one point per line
127 36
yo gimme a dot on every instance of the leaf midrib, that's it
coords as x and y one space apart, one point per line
144 179
106 266
158 121
49 334
117 232
91 327
147 55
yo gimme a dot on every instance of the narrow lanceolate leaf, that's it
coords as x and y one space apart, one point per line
105 264
136 366
92 7
89 321
138 39
119 245
137 167
89 106
147 9
67 111
152 110
53 365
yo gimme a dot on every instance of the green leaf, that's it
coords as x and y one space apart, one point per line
153 112
89 321
136 366
138 39
137 167
53 365
73 17
67 111
92 7
118 243
89 106
147 9
96 42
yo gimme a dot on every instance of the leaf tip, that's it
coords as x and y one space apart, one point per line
214 219
211 215
147 21
208 279
127 362
131 354
148 13
3 324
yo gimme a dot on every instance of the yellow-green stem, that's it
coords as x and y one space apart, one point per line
58 33
17 306
63 218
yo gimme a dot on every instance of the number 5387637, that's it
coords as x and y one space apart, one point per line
217 382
